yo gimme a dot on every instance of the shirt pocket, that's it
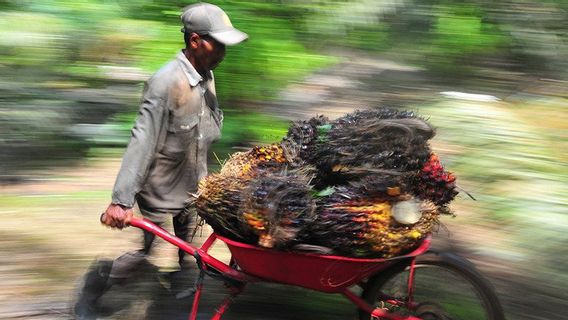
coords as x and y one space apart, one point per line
181 132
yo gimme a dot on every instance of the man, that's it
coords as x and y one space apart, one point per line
179 119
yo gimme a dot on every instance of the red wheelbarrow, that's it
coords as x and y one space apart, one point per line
405 287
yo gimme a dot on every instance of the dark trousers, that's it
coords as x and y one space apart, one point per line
128 262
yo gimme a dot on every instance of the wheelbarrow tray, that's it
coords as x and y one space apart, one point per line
325 273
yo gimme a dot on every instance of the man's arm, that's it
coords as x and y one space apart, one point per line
137 158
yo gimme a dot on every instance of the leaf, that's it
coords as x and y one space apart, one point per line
325 192
324 129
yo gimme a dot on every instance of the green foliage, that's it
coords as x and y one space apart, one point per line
78 36
63 51
57 54
373 38
243 129
460 35
272 57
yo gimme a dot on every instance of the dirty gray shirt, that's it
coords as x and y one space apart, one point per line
179 119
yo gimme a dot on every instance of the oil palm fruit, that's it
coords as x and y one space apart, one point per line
434 183
218 204
252 162
278 207
382 187
301 138
220 195
381 184
356 226
363 142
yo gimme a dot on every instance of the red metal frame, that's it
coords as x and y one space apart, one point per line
324 273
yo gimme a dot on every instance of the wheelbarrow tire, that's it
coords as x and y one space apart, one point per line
455 270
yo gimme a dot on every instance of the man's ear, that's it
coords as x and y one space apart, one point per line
194 40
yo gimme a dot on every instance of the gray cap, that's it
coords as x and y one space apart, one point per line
205 18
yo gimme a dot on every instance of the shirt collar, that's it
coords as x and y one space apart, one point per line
192 75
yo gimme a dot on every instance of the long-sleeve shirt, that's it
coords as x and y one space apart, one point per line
179 119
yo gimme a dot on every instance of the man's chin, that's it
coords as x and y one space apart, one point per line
215 65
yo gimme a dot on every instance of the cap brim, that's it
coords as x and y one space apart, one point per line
229 37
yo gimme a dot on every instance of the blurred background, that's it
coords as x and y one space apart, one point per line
491 76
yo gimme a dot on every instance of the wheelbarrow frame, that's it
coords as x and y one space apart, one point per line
331 274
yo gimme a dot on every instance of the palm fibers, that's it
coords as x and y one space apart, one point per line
334 184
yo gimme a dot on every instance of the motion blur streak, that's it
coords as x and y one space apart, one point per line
491 75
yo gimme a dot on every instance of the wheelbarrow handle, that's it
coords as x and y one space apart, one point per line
149 226
207 259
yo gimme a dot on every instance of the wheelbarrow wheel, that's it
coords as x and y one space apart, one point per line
446 287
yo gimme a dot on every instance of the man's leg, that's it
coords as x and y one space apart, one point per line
101 280
183 281
182 226
93 286
124 265
102 277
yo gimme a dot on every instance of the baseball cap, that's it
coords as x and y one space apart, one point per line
204 18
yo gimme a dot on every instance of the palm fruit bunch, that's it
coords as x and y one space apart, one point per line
381 189
220 195
300 140
218 203
254 161
387 191
367 142
359 226
277 208
388 185
434 183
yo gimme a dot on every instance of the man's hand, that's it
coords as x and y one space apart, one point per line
117 216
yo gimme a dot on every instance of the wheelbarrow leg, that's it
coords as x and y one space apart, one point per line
235 291
196 297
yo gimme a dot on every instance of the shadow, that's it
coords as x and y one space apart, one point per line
150 294
146 294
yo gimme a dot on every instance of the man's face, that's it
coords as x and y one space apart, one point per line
209 52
